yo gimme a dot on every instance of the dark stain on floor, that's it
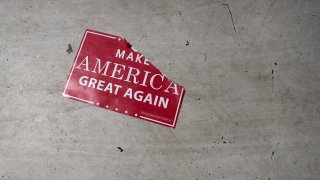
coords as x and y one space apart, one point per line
120 149
69 50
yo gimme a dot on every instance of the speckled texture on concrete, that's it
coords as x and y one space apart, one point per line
251 73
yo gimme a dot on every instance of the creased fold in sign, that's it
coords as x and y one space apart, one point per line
109 73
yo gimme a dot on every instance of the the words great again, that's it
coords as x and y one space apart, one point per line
127 74
114 89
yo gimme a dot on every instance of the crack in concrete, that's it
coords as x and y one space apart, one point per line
234 27
272 77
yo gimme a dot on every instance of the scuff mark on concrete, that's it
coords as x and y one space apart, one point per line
205 57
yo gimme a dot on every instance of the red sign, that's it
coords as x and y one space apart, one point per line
107 72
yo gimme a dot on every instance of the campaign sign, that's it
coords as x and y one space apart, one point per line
109 73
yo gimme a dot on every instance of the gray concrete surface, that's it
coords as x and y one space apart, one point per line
251 109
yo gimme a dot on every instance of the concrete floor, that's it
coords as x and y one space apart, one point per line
252 103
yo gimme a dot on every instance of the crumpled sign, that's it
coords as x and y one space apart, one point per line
109 73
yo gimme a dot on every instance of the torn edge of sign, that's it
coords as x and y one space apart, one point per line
129 45
181 95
